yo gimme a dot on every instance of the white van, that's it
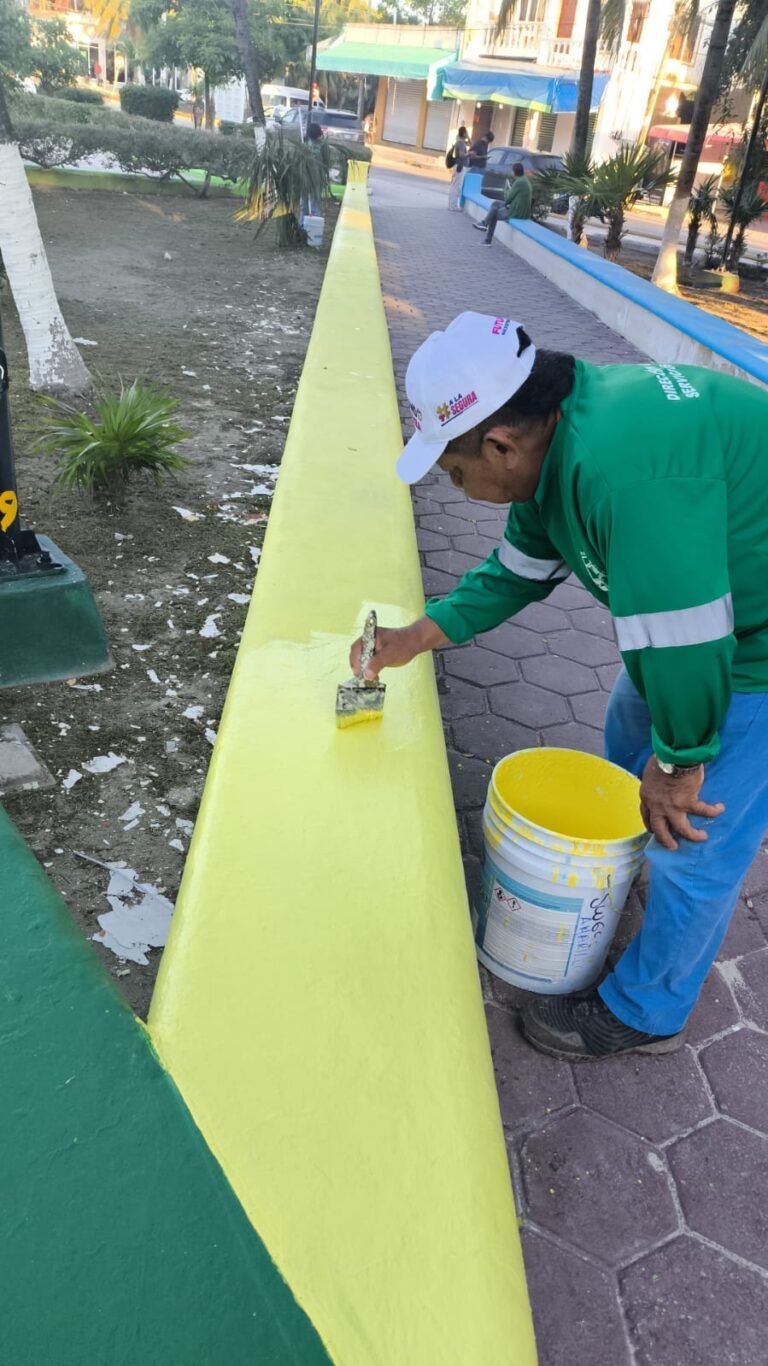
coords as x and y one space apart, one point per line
278 98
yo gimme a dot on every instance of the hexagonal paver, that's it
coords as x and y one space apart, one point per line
654 1101
576 1312
596 620
443 491
442 522
481 666
470 778
433 540
423 506
737 1068
721 1172
714 1011
745 933
589 707
530 1085
451 561
474 544
540 616
756 880
607 675
491 737
513 640
459 698
559 675
574 736
750 984
758 906
597 1186
688 1305
585 649
528 705
437 584
474 839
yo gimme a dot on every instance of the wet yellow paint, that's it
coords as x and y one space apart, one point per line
318 1002
570 794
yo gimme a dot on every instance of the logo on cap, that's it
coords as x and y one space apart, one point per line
417 416
446 412
500 327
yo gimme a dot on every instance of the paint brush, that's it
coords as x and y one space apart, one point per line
357 699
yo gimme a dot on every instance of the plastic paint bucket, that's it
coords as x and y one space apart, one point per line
314 227
563 841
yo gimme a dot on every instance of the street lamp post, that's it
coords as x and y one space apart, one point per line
313 61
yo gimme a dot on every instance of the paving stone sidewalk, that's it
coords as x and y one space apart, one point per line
641 1182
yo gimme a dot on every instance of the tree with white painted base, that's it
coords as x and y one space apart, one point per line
55 364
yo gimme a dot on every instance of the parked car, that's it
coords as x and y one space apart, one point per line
498 171
338 124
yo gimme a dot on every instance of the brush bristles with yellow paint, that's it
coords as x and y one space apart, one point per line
357 699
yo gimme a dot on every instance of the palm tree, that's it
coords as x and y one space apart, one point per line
744 205
611 188
701 208
55 364
665 271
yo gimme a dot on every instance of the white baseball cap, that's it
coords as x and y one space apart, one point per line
457 378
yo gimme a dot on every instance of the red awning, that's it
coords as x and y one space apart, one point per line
718 143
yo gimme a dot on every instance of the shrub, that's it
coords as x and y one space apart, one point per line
133 432
26 109
136 145
80 94
155 102
285 178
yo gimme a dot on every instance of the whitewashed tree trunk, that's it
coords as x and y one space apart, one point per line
55 364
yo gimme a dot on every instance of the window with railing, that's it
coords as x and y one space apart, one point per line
682 44
637 18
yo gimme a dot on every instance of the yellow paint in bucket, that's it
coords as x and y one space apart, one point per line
563 840
569 793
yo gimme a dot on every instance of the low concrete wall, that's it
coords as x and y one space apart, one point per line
668 329
318 1002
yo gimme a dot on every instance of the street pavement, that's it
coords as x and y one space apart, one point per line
640 1181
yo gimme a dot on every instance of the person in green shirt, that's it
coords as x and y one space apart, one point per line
649 483
516 203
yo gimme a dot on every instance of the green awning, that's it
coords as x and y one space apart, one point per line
383 59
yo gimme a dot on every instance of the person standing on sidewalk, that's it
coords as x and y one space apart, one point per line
517 201
458 158
650 484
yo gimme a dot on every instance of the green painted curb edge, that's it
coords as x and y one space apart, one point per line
122 1243
49 625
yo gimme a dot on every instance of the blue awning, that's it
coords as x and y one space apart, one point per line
550 92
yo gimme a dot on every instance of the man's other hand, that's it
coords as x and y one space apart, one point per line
667 804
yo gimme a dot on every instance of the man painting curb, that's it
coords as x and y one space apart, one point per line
650 484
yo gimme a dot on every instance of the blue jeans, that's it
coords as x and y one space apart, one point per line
693 889
498 212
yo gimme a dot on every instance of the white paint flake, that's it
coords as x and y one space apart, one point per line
104 763
210 628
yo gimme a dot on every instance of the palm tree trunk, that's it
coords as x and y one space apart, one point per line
586 79
248 60
55 364
665 272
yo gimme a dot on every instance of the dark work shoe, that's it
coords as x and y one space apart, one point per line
481 227
582 1028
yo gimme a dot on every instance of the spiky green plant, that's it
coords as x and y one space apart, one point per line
573 178
752 207
119 436
701 209
286 177
613 185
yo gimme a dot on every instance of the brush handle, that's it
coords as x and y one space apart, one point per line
368 648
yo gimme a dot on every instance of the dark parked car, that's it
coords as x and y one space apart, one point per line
498 170
338 125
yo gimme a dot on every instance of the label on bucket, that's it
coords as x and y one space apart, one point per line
517 935
539 939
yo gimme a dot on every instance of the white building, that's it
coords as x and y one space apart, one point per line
522 84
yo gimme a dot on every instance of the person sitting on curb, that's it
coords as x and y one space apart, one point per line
650 484
518 197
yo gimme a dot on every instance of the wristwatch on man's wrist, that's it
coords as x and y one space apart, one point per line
675 770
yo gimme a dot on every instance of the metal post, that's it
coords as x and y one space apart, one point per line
745 168
313 62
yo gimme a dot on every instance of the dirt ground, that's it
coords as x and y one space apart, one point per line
748 309
175 291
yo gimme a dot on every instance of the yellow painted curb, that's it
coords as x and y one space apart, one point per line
318 1003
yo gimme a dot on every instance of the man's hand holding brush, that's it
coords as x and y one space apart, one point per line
396 646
